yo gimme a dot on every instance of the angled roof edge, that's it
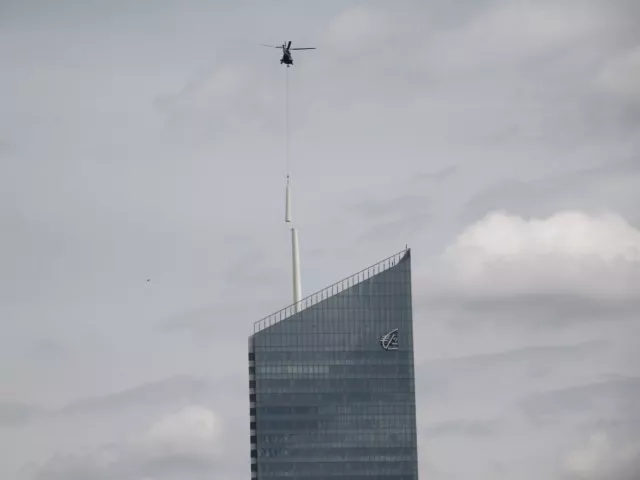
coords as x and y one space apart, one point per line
331 290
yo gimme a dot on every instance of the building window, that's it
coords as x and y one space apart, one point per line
252 356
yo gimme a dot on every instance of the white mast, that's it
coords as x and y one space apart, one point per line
295 251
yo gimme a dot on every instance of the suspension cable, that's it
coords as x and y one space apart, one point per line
286 120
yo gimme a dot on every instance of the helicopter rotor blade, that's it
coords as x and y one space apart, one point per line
289 46
305 48
272 46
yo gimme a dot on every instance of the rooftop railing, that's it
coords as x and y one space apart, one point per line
329 291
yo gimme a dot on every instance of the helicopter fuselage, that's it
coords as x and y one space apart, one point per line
286 58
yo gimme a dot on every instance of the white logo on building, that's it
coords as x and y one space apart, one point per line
389 341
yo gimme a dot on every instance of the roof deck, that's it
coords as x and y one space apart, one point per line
329 291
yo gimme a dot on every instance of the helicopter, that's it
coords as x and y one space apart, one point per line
287 59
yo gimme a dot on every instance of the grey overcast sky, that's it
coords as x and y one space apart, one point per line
144 140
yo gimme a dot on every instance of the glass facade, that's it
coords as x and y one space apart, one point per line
332 384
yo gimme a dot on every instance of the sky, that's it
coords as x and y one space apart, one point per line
142 180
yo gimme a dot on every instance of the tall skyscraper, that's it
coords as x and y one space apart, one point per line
331 382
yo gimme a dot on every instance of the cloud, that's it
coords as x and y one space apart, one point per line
609 186
217 87
465 428
357 31
568 234
621 75
533 311
535 24
189 433
184 443
600 458
226 95
510 32
16 414
376 208
485 384
435 178
569 252
175 389
415 197
612 401
547 355
403 227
